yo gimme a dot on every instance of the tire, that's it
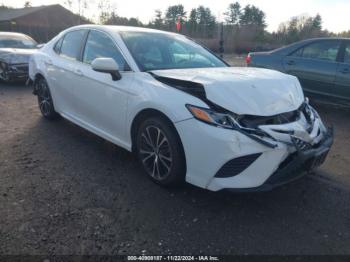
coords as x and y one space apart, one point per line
160 152
45 101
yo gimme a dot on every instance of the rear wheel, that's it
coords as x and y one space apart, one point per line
160 151
45 101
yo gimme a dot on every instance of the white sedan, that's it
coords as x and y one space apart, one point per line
186 114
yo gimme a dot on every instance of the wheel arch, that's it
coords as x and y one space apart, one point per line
139 117
147 113
37 77
144 114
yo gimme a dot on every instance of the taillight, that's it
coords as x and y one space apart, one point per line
248 59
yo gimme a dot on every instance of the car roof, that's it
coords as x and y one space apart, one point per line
293 46
324 38
117 28
13 34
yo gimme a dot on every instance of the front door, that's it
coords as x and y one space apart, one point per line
102 102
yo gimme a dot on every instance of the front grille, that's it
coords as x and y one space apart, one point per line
300 145
250 121
236 166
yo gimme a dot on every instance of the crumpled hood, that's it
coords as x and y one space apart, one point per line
16 55
245 91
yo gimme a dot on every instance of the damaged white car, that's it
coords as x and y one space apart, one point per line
186 114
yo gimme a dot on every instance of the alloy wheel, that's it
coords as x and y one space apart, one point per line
45 101
155 153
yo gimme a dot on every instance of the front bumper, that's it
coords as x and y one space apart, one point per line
15 72
208 149
297 165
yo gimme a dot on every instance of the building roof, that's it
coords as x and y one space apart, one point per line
8 14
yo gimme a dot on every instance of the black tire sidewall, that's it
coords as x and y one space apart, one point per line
52 114
178 169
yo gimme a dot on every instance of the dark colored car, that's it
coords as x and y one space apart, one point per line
15 50
322 66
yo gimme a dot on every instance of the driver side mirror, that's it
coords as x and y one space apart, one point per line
108 66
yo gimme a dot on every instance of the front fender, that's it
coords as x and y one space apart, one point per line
155 95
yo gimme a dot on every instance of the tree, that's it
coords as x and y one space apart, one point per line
206 21
114 19
253 16
192 22
233 14
317 22
27 4
344 34
133 21
172 14
68 3
84 7
107 11
158 21
301 27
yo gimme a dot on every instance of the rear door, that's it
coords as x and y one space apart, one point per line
342 81
62 70
315 65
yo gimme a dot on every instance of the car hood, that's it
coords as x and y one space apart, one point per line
16 55
247 91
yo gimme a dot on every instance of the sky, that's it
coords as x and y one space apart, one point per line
335 13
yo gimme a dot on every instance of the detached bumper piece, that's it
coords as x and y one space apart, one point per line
297 165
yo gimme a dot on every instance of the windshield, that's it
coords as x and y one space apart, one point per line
17 42
155 51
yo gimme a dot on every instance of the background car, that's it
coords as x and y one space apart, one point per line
15 50
322 66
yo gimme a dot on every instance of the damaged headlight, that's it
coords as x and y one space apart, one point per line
211 117
3 65
229 120
309 112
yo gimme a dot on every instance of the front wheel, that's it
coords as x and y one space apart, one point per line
160 151
4 76
45 101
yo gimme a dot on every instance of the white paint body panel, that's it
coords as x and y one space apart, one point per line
248 91
107 108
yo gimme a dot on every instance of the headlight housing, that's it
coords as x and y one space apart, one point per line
225 120
3 65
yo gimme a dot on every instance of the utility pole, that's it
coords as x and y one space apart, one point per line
222 50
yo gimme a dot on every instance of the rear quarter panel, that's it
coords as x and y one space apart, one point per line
269 61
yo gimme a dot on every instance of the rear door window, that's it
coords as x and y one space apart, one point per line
324 50
347 54
71 45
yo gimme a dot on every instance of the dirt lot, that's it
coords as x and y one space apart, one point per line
66 191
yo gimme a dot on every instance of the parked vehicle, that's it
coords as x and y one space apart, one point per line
15 50
322 66
184 112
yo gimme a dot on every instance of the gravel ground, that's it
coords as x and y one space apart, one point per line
64 190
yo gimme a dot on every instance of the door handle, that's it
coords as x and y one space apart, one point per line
291 62
345 71
78 72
